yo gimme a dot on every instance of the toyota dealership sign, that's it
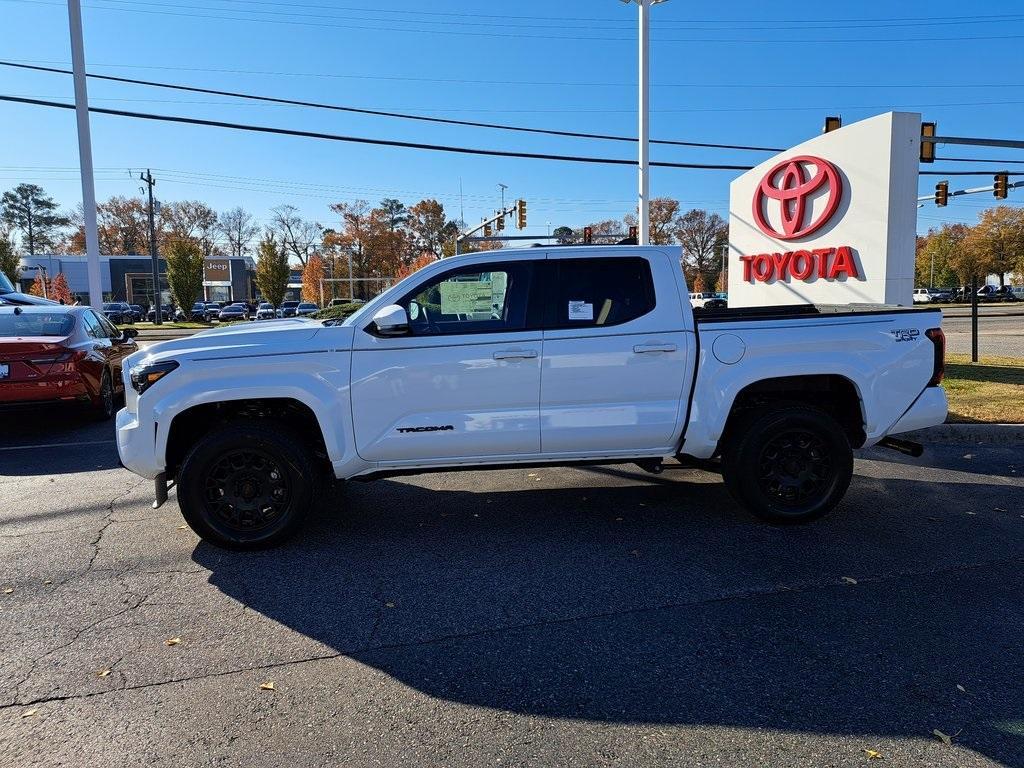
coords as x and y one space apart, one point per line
831 221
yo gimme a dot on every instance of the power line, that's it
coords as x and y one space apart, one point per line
382 113
390 28
364 140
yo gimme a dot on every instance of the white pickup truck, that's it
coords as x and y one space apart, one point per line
526 357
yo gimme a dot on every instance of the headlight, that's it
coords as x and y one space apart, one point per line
145 375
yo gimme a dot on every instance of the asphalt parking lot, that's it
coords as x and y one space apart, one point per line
599 616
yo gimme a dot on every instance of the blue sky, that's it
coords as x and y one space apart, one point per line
742 72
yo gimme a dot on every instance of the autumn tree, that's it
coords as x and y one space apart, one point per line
351 238
313 280
239 228
937 252
40 286
998 240
184 258
605 227
60 290
193 221
423 260
122 225
429 228
272 270
9 259
664 213
32 212
299 238
702 236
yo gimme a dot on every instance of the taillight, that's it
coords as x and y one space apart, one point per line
63 357
939 342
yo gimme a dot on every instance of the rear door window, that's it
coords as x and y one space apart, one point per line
601 292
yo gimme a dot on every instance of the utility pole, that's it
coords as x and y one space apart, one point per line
502 187
149 181
92 240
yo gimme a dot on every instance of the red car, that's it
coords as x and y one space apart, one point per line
54 353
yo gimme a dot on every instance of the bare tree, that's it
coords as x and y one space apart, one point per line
299 238
702 236
194 221
240 228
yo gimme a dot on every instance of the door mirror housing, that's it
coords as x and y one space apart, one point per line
391 320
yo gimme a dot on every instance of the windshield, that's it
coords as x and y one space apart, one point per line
264 305
5 284
290 304
307 306
36 324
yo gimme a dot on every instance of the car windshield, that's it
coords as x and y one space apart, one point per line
290 304
307 306
36 324
264 305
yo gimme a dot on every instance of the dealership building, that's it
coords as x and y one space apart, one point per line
130 278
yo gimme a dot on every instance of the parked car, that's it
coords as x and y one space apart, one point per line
10 297
288 308
932 295
213 309
990 293
265 311
166 313
1006 293
1018 292
697 300
444 370
118 312
137 314
233 312
198 313
62 354
306 308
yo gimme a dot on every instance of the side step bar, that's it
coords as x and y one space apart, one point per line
905 447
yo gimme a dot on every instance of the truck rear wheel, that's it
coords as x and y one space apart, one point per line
791 464
247 485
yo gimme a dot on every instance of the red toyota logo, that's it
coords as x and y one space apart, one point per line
788 183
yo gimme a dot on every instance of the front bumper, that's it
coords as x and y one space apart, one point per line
929 409
137 446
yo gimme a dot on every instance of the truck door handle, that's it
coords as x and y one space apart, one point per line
515 354
642 348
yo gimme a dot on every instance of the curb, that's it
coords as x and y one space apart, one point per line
992 434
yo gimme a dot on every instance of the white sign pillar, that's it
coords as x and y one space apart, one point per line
830 221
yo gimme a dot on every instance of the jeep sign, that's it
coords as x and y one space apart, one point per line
831 221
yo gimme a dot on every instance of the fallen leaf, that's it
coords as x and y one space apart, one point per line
642 504
173 641
29 712
267 686
103 673
961 688
971 513
389 605
8 591
998 509
182 527
531 474
849 580
968 455
942 737
48 581
635 552
873 754
618 519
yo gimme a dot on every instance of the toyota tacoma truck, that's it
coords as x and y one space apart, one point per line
526 357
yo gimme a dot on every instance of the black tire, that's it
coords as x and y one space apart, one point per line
791 464
247 485
105 407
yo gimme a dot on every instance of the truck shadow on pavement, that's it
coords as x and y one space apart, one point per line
620 600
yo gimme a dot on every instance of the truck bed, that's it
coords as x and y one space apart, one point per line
799 311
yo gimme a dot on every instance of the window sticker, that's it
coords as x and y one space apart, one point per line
581 310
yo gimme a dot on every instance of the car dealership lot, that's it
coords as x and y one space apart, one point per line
585 616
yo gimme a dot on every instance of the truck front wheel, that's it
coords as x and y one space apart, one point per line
791 464
247 485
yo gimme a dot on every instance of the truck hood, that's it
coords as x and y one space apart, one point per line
293 335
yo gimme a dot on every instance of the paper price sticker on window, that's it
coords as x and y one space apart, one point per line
581 310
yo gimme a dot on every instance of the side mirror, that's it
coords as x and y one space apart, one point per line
129 333
391 321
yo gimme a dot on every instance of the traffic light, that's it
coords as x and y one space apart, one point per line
487 230
588 235
942 194
499 223
521 214
634 232
927 147
1001 185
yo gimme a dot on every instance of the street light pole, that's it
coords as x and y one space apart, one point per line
92 240
643 115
